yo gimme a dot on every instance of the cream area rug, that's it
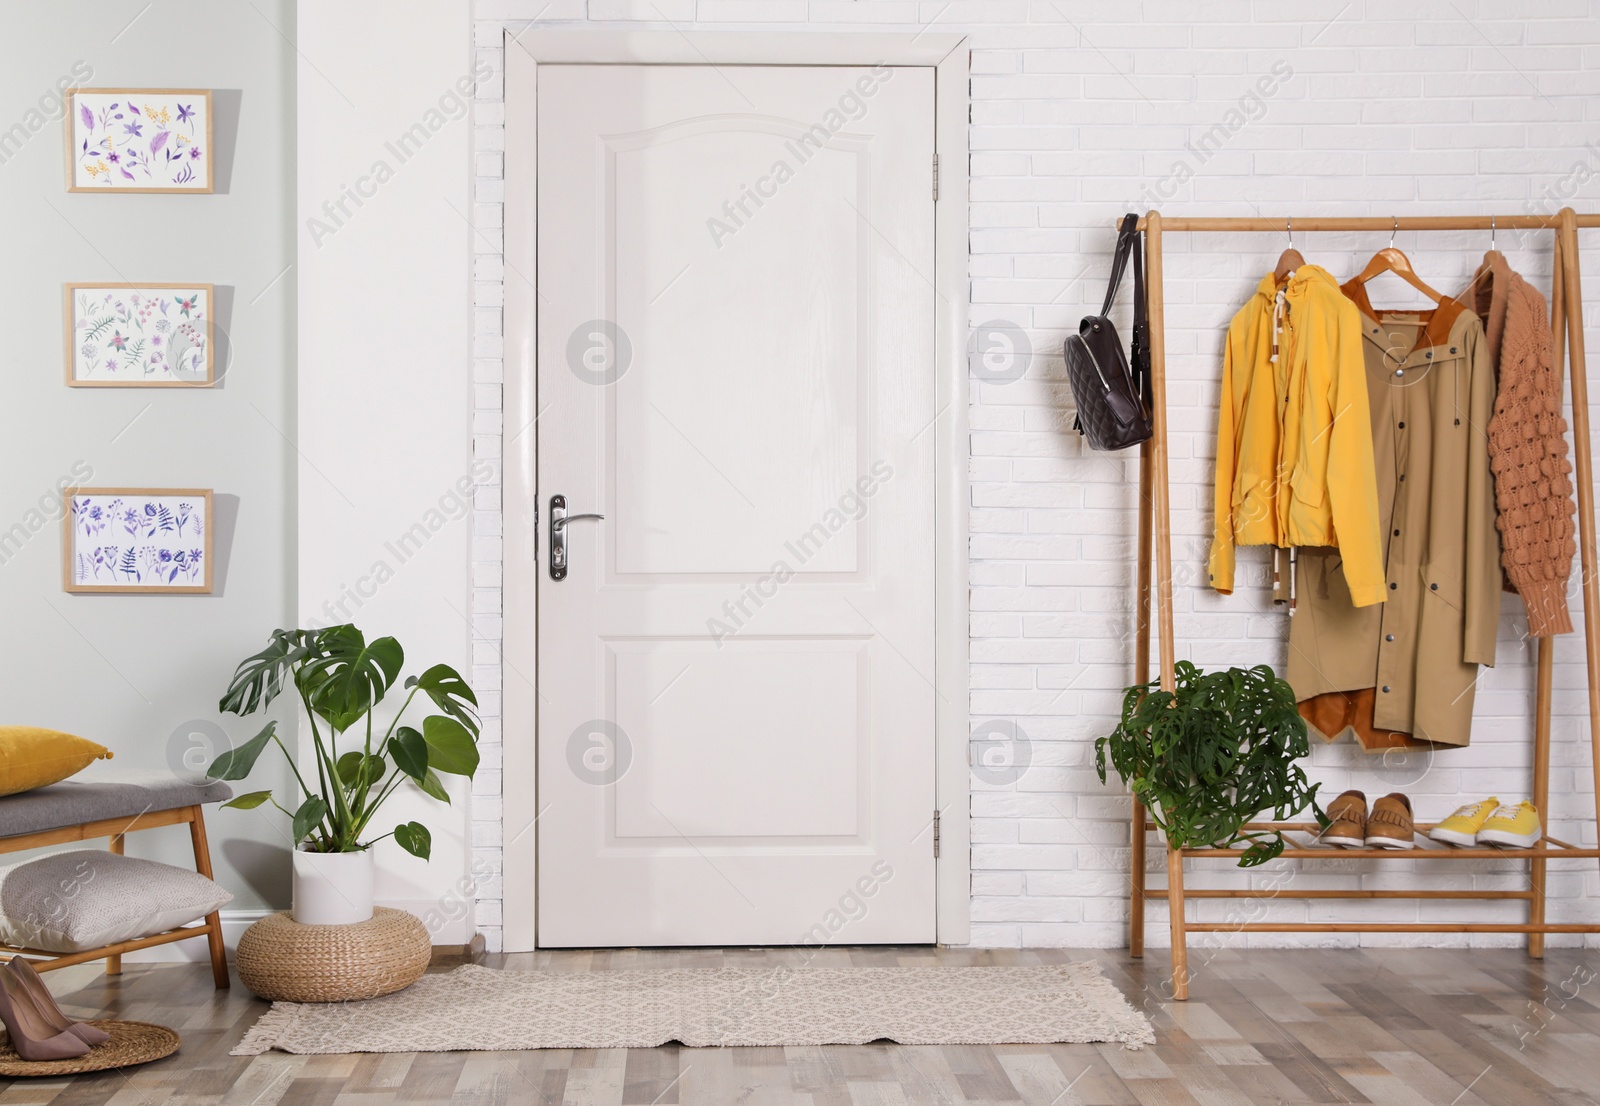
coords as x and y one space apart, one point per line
478 1008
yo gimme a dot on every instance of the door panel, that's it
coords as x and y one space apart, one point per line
795 775
692 295
735 366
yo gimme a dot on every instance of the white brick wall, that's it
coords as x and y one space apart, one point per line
1081 111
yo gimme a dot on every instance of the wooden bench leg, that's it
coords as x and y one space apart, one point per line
114 961
202 864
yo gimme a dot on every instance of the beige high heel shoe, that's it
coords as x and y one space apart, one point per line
33 1039
55 1017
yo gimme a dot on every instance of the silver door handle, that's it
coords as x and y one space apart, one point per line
558 534
558 523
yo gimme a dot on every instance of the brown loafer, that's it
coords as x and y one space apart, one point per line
1390 825
1348 814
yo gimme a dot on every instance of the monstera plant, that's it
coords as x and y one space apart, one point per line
1209 756
341 678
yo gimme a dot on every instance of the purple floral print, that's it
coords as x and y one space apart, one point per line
156 142
154 540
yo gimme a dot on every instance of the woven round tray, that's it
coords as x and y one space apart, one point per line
131 1043
282 960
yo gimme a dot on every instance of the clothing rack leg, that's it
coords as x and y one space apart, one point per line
1141 675
1544 681
1161 502
1584 478
1180 941
1136 884
1161 498
1541 787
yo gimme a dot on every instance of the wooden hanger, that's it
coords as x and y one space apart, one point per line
1391 260
1290 259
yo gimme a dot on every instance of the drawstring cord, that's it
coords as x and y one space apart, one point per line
1278 311
1455 379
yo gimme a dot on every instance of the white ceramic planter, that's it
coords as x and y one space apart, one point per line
332 888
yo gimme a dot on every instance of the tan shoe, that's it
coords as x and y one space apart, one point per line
33 1038
44 1002
1348 814
1390 825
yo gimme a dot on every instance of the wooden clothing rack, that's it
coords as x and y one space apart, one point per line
1155 567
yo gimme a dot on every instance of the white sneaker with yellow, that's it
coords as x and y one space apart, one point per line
1514 826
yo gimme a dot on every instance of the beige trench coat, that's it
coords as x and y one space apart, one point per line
1404 672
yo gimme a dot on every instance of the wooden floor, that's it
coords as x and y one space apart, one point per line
1451 1027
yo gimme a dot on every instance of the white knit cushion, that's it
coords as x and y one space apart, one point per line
87 898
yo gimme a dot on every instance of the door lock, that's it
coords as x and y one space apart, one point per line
558 534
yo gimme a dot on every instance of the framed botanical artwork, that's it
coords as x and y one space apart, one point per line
136 541
139 140
139 335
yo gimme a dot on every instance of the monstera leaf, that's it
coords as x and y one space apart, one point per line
434 786
358 770
308 817
414 838
410 752
449 693
345 676
235 764
249 801
450 745
259 677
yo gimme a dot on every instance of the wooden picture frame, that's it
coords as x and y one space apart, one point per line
156 331
113 146
138 535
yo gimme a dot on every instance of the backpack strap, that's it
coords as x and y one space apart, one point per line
1139 361
1127 244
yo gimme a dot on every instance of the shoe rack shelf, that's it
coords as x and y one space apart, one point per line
1425 849
1155 591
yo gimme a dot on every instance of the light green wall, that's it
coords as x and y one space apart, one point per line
130 671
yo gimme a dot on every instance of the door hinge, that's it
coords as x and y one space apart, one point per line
936 178
936 835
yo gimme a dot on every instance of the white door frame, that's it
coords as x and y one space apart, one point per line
948 56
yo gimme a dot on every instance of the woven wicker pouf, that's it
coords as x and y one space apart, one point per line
282 960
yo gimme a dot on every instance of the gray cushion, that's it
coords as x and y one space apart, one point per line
85 899
108 793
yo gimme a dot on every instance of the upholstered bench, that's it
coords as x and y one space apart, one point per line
113 804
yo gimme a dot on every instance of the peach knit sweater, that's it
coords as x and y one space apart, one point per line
1528 446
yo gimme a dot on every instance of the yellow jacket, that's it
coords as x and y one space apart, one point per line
1294 439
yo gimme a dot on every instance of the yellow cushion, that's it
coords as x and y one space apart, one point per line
31 757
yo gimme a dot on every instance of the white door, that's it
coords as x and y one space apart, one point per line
735 367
